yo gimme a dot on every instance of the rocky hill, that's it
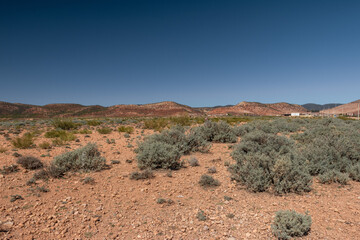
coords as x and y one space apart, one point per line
349 109
76 110
259 109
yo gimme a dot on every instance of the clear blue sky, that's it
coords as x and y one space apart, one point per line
198 53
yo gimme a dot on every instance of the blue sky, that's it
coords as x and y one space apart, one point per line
198 53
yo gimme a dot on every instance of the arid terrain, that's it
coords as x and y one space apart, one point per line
161 109
117 207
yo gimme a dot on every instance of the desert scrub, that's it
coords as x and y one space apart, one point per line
88 180
60 134
2 149
26 141
157 124
193 162
354 172
64 124
211 170
85 131
334 176
216 132
86 158
158 155
265 161
208 181
9 169
93 123
45 145
164 150
104 130
176 136
288 224
30 162
330 146
146 174
126 129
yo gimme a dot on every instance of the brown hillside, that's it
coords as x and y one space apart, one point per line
349 109
254 108
153 109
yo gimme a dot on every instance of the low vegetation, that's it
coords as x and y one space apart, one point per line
61 135
9 169
64 124
30 162
26 141
289 224
208 181
265 160
126 129
146 174
104 130
87 158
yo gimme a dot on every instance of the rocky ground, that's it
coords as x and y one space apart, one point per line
115 207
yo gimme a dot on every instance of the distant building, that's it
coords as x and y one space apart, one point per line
295 114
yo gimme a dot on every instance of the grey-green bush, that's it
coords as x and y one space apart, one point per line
158 155
86 158
216 132
288 224
266 160
208 181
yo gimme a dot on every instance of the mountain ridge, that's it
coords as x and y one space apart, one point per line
158 109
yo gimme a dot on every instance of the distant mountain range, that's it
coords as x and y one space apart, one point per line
318 107
19 110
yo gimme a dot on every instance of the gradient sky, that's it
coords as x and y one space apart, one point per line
198 53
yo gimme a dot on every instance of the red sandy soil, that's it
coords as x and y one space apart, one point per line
116 207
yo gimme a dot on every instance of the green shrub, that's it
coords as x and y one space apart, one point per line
354 172
157 124
193 162
334 176
85 131
147 174
208 181
331 148
264 160
158 155
64 124
60 134
55 171
288 224
93 123
86 158
23 142
104 130
216 132
30 162
126 129
45 145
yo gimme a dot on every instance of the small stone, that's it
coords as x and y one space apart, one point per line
206 228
